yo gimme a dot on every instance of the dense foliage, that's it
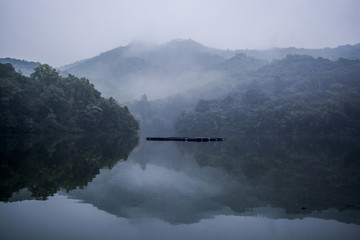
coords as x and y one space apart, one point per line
296 95
47 102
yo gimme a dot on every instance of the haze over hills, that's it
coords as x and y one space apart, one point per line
179 66
89 88
159 82
344 51
158 71
295 95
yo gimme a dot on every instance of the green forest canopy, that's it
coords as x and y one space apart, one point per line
46 102
296 95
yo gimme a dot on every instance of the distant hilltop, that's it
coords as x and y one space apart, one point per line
181 63
141 50
345 51
179 66
22 66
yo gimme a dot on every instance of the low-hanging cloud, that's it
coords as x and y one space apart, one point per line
62 32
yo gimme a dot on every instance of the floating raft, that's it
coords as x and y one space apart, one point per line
185 139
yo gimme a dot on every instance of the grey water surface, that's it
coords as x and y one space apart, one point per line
247 187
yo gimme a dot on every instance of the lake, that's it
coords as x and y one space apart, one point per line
123 187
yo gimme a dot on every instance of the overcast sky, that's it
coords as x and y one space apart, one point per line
60 32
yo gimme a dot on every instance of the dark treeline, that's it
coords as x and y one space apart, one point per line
296 95
46 102
43 165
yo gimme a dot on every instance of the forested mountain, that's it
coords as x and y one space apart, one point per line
24 67
158 82
345 51
46 102
296 95
175 56
158 116
240 65
180 66
157 71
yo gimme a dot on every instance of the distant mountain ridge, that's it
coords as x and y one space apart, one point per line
166 56
130 71
344 51
21 66
179 66
159 82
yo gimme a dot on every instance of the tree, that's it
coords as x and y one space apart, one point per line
45 74
47 102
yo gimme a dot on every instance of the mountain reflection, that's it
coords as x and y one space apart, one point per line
297 173
39 166
132 192
276 177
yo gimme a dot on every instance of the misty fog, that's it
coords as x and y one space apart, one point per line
101 101
127 73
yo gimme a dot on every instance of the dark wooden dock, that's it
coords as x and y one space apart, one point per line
185 139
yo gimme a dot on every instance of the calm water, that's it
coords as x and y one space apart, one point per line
248 187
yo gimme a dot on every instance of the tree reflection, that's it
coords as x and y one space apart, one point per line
46 164
273 176
297 173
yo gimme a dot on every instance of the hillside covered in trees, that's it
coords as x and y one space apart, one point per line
295 95
245 91
179 66
257 91
45 102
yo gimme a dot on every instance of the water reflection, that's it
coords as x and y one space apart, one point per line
169 186
277 177
300 174
185 183
63 218
39 166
